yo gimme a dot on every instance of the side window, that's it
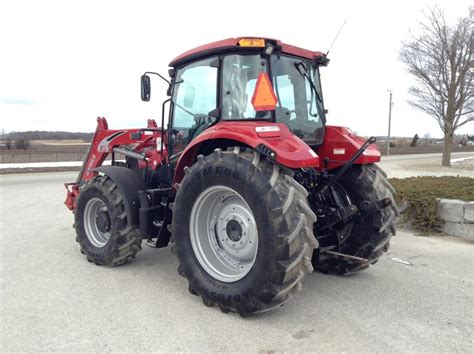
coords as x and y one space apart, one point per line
285 93
195 94
249 90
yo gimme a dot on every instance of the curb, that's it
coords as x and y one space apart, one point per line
457 217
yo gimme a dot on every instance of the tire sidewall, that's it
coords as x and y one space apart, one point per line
357 185
98 253
234 175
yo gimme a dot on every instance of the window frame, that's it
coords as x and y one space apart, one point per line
175 87
272 117
315 67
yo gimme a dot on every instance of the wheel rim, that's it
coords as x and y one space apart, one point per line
97 222
223 234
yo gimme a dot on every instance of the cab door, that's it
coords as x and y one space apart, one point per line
194 98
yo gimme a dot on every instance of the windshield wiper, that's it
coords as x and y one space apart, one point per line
184 109
307 76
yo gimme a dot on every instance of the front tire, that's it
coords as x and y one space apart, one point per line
241 188
103 230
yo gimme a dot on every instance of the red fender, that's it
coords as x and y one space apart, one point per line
340 144
290 150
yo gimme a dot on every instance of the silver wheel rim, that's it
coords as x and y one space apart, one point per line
97 234
223 234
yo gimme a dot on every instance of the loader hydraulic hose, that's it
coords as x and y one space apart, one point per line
130 153
84 163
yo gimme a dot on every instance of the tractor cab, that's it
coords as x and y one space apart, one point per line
246 79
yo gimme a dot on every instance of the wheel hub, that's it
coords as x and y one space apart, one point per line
234 230
103 221
223 233
97 223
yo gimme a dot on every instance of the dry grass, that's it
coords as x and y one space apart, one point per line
422 193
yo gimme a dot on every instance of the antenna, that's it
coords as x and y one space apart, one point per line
337 35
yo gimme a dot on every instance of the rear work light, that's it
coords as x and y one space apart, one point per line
267 128
268 131
252 42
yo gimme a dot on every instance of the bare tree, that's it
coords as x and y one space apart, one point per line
441 59
22 144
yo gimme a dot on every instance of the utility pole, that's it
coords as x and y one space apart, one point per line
389 121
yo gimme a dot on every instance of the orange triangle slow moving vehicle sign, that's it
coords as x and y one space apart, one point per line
264 98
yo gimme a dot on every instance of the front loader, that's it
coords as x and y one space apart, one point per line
247 182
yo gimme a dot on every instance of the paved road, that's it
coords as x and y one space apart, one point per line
432 157
417 298
403 166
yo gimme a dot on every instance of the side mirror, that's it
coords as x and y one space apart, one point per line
145 87
189 96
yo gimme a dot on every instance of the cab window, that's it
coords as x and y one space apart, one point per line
194 96
239 77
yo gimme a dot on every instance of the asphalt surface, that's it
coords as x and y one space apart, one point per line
419 297
402 166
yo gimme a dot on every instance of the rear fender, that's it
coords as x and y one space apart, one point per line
128 183
288 150
340 144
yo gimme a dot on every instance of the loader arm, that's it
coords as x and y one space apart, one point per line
140 144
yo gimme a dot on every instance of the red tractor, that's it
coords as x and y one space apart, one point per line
247 182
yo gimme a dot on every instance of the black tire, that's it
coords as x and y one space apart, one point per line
120 164
370 236
124 241
284 222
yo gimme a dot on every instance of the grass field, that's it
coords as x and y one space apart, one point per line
47 151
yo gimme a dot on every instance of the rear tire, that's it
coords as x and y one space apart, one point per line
370 236
283 221
103 230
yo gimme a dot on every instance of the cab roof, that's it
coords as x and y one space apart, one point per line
231 44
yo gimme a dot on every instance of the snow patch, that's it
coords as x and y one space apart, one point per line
44 164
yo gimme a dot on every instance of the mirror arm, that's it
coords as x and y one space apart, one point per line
154 73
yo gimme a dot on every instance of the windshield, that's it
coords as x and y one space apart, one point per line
298 90
296 85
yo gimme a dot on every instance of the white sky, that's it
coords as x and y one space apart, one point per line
64 63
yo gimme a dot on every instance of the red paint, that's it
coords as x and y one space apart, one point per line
113 138
72 194
233 43
343 138
291 151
